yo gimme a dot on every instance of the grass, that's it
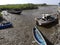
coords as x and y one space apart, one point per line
0 14
21 6
18 6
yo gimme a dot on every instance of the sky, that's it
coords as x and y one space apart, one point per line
4 2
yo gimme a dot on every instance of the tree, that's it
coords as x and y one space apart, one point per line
59 4
44 4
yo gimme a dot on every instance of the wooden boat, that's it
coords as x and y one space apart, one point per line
15 11
38 37
5 25
43 21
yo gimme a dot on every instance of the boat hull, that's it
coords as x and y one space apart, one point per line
38 37
15 12
47 23
5 25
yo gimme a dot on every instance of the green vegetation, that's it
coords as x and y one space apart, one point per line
21 6
18 6
44 4
0 14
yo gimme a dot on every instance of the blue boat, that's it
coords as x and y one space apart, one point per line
5 25
38 37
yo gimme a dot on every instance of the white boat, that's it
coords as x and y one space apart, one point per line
38 37
46 19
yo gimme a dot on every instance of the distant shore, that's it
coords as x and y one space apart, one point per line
22 6
18 6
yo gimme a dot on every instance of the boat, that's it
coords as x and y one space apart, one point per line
38 37
46 19
5 25
15 11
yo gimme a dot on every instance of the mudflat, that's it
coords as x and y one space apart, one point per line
21 33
